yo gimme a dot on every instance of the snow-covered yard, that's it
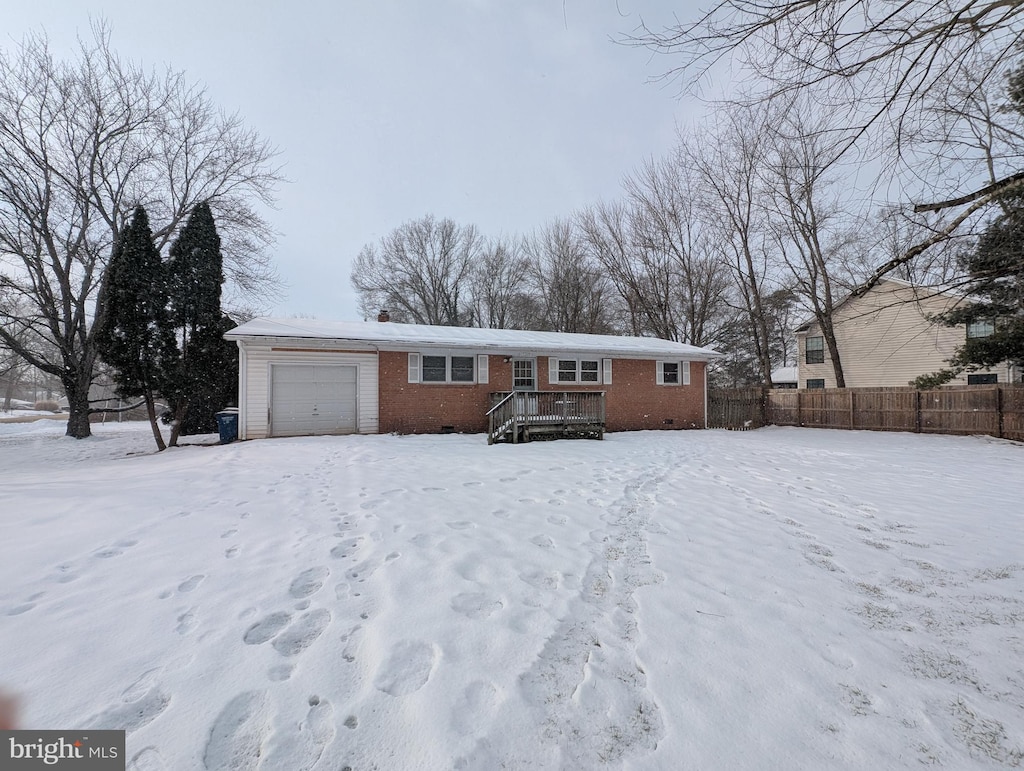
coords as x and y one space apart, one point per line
785 598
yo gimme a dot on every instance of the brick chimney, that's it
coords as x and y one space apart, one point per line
383 316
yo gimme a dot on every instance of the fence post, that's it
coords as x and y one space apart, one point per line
799 407
917 412
999 411
852 422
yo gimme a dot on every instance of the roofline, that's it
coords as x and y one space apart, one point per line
506 349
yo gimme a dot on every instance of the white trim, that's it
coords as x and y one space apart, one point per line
552 370
705 397
659 372
482 368
243 375
685 367
414 368
606 365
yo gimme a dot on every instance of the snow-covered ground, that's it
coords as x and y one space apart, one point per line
784 598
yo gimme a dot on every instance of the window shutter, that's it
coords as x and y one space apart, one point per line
482 366
553 370
686 372
659 376
607 366
414 368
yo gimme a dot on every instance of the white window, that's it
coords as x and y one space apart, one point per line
445 368
672 373
576 370
983 328
814 350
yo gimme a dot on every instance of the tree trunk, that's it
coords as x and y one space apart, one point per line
12 383
179 421
833 350
151 411
76 388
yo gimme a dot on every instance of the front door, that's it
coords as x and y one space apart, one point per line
524 375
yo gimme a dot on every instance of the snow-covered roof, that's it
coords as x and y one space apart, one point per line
399 337
785 375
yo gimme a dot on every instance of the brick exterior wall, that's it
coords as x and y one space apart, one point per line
633 401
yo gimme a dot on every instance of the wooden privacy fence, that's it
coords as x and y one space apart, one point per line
996 410
737 408
993 410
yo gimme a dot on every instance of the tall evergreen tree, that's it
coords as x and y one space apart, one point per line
995 292
134 338
204 374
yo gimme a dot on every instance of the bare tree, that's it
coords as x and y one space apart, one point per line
894 73
420 272
574 293
501 292
82 143
728 162
818 241
652 247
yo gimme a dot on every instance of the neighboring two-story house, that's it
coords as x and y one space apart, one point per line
887 337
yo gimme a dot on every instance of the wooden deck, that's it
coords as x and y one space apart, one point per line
521 416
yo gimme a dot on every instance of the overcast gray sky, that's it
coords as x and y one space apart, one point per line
498 113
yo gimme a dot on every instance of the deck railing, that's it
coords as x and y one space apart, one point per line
514 416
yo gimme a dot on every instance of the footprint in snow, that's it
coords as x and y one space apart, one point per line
17 610
300 750
148 759
189 584
134 715
303 633
407 668
187 622
460 525
542 541
266 628
308 582
280 672
475 605
237 735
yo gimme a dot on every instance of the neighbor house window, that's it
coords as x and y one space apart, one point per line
448 368
673 373
982 379
815 350
816 382
981 329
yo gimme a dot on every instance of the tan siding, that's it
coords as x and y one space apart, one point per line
258 361
886 339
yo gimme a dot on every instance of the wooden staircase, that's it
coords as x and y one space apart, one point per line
521 416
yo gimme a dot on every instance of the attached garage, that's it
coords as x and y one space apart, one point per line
313 399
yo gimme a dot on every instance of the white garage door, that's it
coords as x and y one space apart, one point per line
309 399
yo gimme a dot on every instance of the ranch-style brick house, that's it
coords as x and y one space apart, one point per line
306 377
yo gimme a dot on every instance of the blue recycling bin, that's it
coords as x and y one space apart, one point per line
227 425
